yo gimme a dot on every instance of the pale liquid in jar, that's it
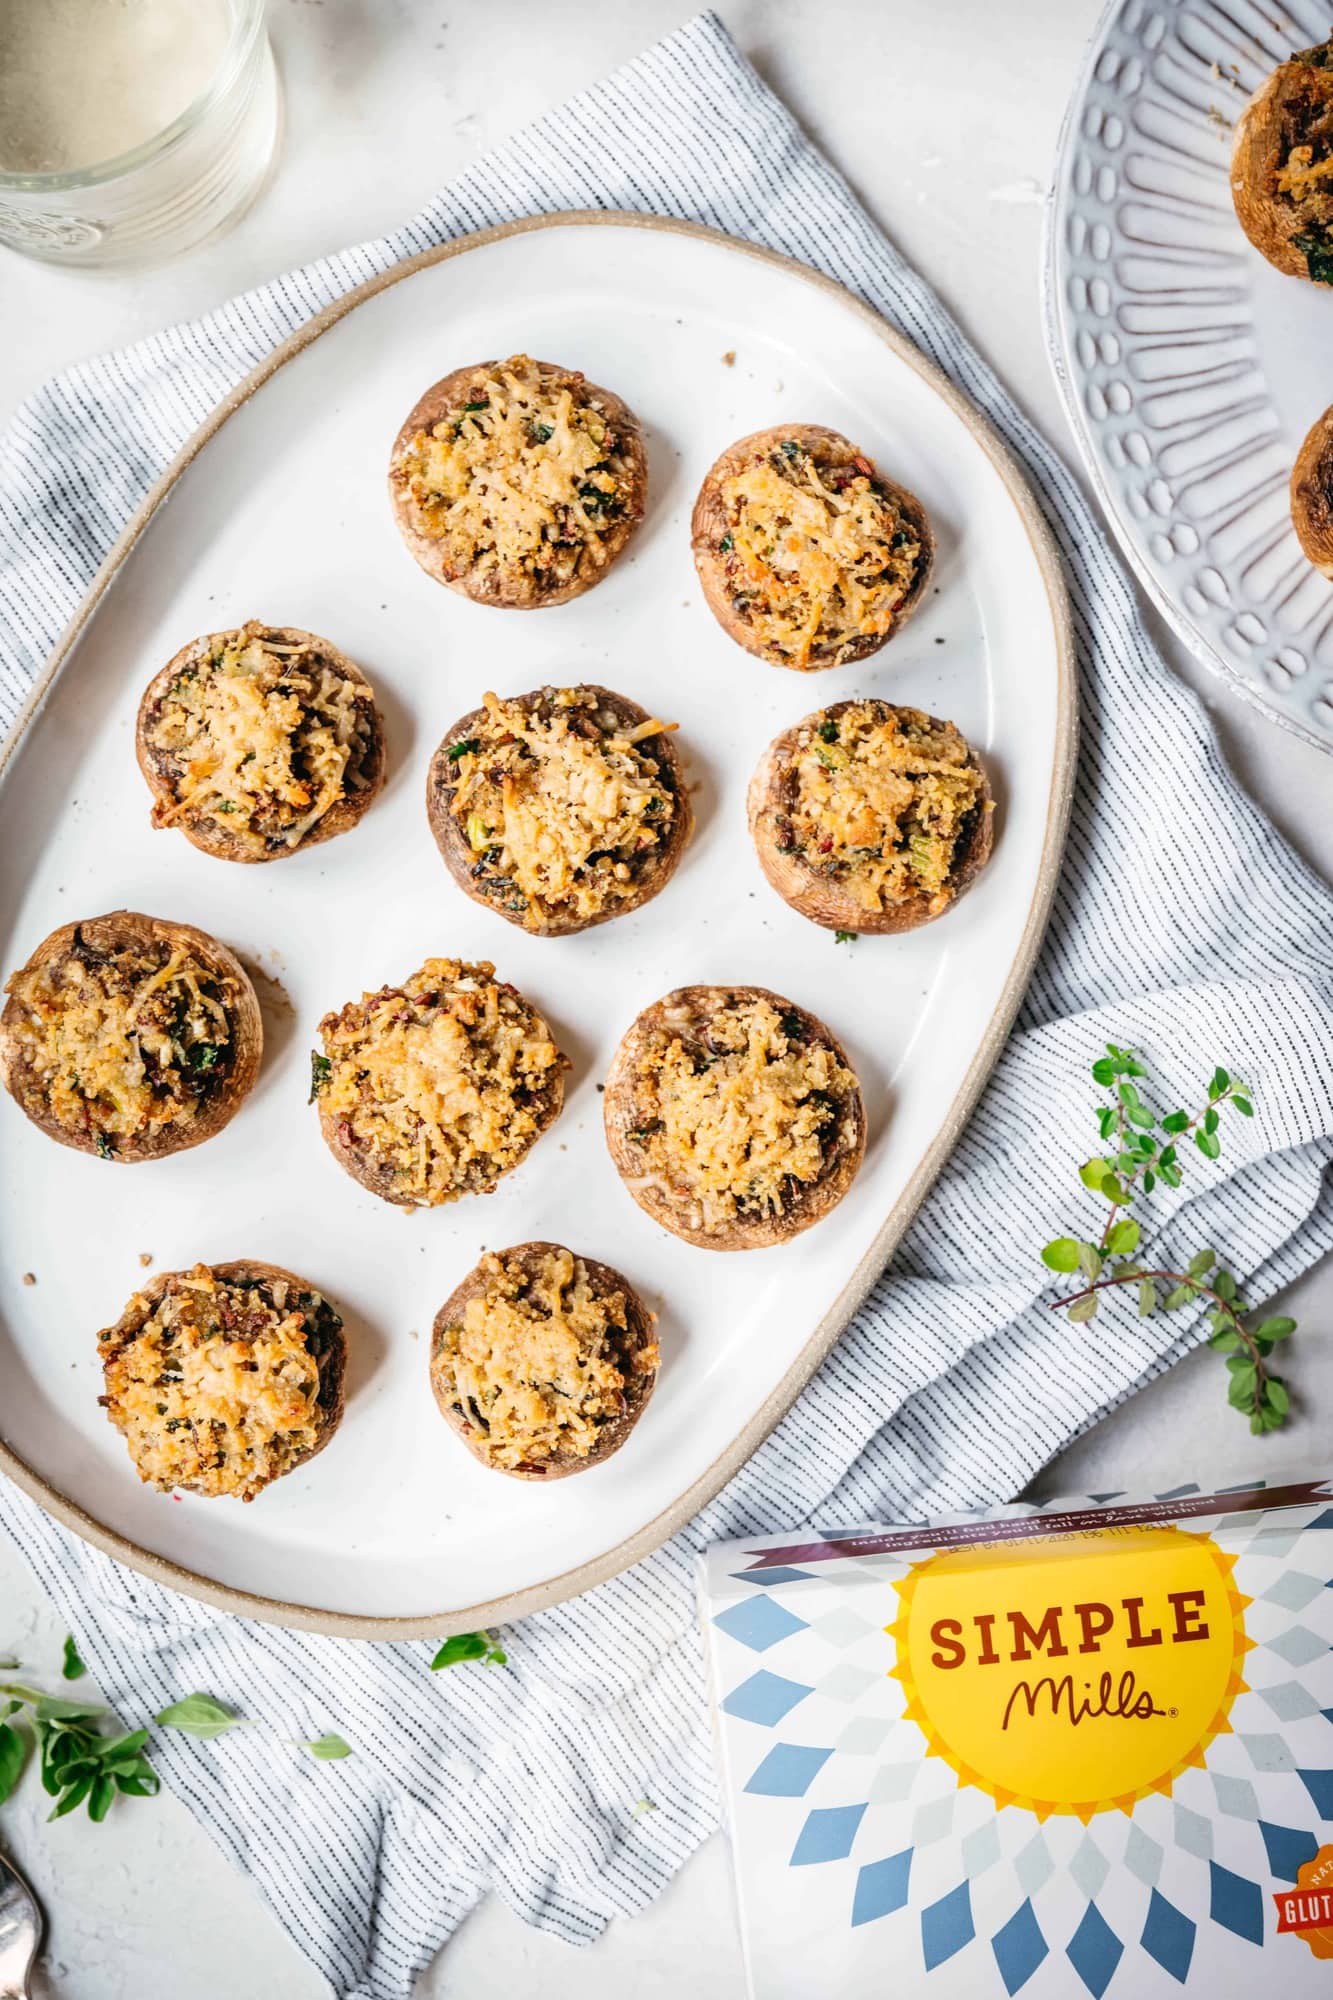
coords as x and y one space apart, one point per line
82 81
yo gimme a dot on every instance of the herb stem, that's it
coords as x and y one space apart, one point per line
1226 1307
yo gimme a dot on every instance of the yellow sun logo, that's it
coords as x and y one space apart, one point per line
1073 1674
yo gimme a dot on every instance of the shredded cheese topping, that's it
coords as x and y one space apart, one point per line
563 803
882 798
527 477
439 1085
540 1360
1302 173
122 1042
215 1382
738 1109
818 558
257 741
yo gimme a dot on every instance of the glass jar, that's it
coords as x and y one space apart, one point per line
168 192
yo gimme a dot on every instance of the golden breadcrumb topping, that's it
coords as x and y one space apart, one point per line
818 557
439 1085
258 740
123 1042
562 803
738 1108
883 798
539 1361
215 1381
527 474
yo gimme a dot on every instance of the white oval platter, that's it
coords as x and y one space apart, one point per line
278 511
1190 369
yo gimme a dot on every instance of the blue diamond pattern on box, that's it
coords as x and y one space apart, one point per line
1319 1784
1237 1903
827 1835
1076 1752
947 1926
1288 1848
1168 1936
788 1771
1019 1948
881 1887
765 1698
759 1622
1095 1951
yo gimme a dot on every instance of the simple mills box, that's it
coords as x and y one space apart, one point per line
1085 1749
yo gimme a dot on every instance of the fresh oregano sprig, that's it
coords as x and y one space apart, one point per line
1143 1148
79 1762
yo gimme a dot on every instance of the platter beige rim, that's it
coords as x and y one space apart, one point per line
652 1534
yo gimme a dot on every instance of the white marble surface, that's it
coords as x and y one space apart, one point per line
385 99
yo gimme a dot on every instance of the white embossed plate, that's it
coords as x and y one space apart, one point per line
278 510
1190 369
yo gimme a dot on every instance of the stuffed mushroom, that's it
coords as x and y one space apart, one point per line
867 816
129 1036
733 1116
1312 494
518 482
1282 166
559 809
259 741
542 1361
223 1378
436 1088
808 554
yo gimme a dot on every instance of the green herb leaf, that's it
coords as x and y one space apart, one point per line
1277 1395
321 1069
1104 1070
469 1646
828 730
327 1748
1094 1172
1208 1144
1220 1082
1147 1298
1083 1309
1175 1121
13 1756
1202 1263
100 1797
1275 1329
56 1708
1244 1106
467 746
1123 1237
1090 1261
1180 1295
844 937
1225 1286
72 1668
199 1715
73 1796
1061 1254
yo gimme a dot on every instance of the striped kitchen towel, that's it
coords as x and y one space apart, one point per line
1182 923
